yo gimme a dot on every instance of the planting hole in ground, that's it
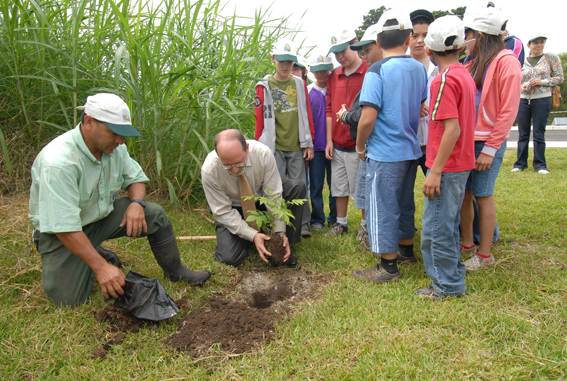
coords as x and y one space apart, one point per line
237 322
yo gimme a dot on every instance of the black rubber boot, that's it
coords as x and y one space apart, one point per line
166 252
109 256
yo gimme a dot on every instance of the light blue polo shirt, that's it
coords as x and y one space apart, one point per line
396 87
71 188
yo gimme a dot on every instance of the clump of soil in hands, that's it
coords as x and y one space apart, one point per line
275 247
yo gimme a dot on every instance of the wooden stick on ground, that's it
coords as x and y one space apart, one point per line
197 238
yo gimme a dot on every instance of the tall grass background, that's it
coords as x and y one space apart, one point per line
185 71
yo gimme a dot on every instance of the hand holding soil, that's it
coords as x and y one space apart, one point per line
279 248
259 241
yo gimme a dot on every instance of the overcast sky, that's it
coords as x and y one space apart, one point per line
323 19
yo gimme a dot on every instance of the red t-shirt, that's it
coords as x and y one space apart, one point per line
452 96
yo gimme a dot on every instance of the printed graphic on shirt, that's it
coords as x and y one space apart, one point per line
257 102
285 101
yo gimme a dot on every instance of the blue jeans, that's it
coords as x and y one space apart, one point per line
390 203
537 110
317 167
360 195
482 183
440 234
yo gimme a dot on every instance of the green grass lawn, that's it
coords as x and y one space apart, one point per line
512 325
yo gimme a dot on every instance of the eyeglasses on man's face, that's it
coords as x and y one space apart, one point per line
239 165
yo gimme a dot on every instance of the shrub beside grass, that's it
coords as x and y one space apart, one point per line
510 326
185 71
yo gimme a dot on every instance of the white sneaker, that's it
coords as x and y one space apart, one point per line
543 171
516 169
476 262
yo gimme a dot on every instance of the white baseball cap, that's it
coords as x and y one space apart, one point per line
403 21
320 62
485 19
111 110
439 33
284 50
369 37
301 61
338 44
535 36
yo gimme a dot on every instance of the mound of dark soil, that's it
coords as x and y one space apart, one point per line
119 321
238 323
122 322
233 326
275 246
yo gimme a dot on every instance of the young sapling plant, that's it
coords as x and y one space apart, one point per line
265 220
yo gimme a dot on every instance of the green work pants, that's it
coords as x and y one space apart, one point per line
67 280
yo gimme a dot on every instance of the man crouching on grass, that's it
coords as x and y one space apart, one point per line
73 207
238 168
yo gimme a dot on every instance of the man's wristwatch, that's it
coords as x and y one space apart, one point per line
140 201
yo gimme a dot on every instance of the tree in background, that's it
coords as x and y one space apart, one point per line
460 11
370 19
374 15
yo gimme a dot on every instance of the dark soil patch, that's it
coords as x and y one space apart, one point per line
235 324
275 247
121 323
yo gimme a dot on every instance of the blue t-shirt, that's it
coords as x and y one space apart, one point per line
396 87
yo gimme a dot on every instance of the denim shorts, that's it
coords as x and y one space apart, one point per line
482 183
360 197
390 204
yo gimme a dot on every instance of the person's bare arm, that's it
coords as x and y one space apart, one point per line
450 136
329 147
110 278
365 127
135 216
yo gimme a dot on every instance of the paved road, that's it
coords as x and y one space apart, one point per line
550 136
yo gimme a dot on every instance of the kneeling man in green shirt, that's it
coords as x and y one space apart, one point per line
73 207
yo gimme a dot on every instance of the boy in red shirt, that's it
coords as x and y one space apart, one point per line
450 158
343 85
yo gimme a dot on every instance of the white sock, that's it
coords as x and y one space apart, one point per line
363 223
342 220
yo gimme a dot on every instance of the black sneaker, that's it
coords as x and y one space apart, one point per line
337 229
377 274
406 260
406 255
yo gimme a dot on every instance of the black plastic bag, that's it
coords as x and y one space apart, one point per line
146 298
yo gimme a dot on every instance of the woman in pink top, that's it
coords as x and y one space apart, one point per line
497 75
